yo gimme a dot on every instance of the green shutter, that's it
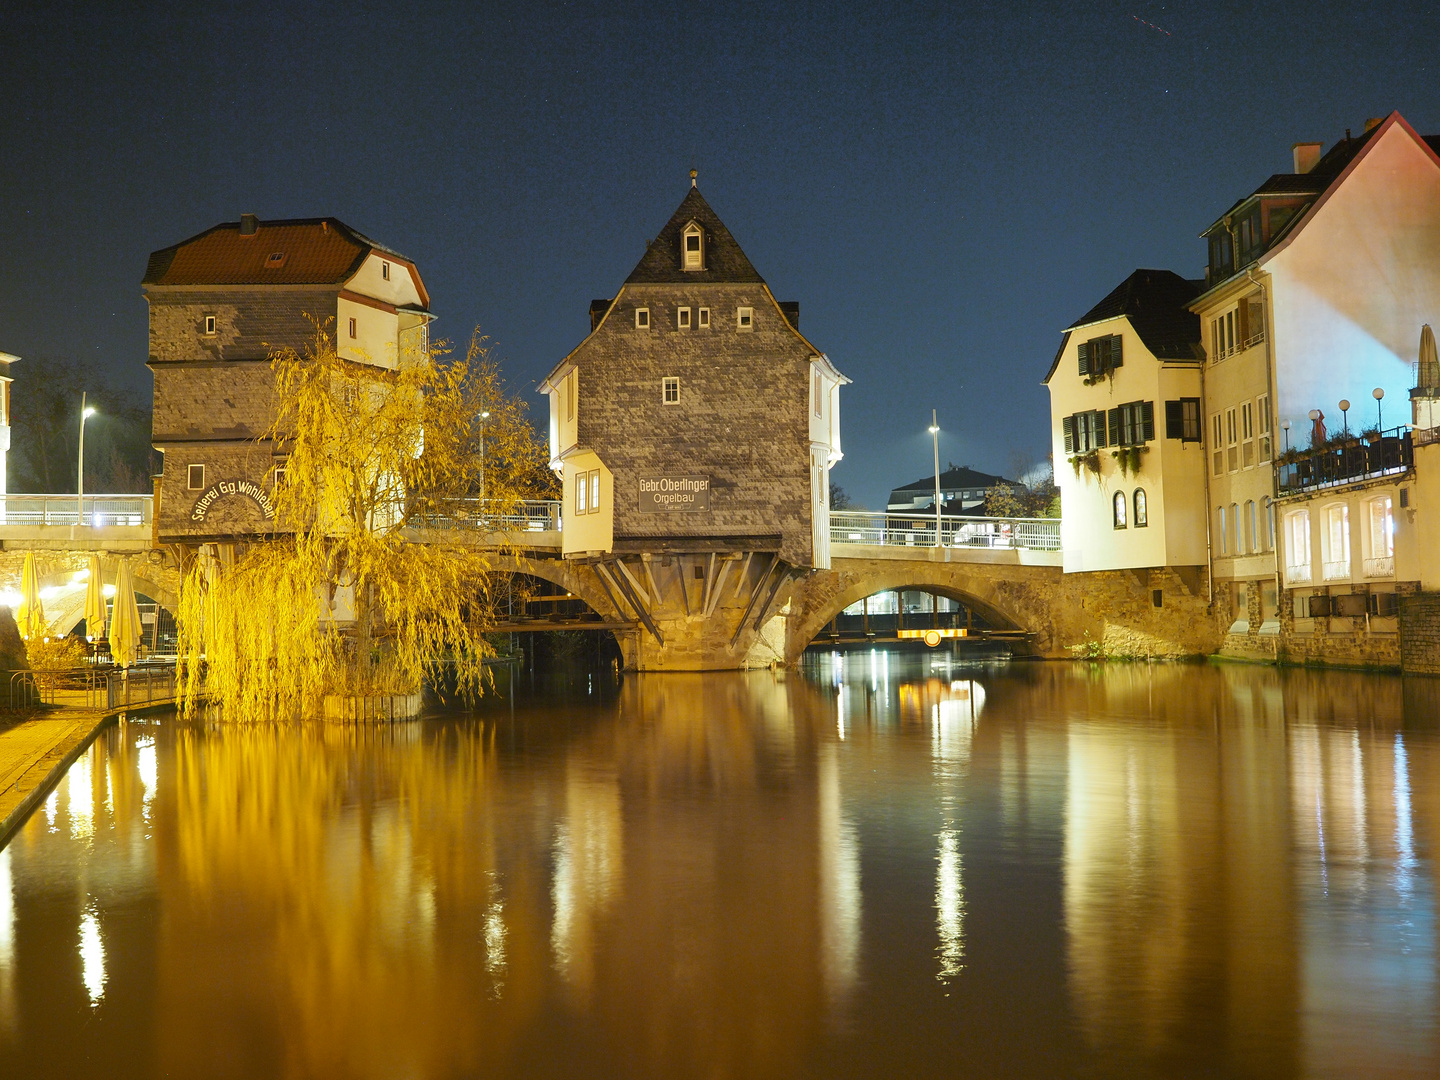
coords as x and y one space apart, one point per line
1085 358
1068 424
1115 434
1147 414
1174 420
1115 351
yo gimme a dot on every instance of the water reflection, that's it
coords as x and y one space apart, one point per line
883 866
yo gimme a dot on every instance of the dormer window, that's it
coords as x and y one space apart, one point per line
275 260
692 244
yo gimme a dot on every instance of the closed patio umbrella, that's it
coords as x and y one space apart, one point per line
125 623
30 615
1429 374
95 602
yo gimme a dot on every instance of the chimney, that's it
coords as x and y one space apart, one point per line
1307 155
248 224
1374 122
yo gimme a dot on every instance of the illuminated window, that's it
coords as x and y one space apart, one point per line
594 490
209 324
1382 528
744 318
703 318
1250 522
582 493
1119 504
693 245
817 393
1142 510
1220 530
195 477
682 318
671 390
642 318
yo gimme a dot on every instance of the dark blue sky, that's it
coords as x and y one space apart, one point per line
942 188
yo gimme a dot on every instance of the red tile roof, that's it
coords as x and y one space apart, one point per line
317 251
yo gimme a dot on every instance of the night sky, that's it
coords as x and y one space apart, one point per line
942 188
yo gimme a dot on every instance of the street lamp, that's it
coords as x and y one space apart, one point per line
86 412
484 416
935 436
1378 394
1344 419
1285 426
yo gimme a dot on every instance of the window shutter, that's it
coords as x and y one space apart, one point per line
1174 420
1115 350
1085 358
1068 424
1115 434
1147 414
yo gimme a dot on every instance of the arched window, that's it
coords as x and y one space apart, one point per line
1142 510
1119 503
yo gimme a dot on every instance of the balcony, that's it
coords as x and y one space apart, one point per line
1345 462
1298 575
1382 567
1336 571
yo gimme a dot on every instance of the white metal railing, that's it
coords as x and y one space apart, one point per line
1384 566
1298 575
527 515
100 511
918 530
1337 571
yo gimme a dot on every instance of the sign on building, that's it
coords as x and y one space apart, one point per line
669 494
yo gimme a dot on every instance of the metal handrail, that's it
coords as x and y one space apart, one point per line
918 530
525 515
1346 463
99 511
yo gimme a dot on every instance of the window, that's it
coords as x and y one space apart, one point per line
1297 547
1217 444
1132 424
1182 419
594 490
209 324
703 318
816 393
1142 510
1247 435
642 318
1099 356
1119 504
352 327
385 270
682 318
1222 256
1380 559
1252 535
275 260
1232 436
1337 542
693 246
744 318
587 492
1237 543
570 394
1247 236
278 475
1262 410
1220 530
1083 432
670 390
195 477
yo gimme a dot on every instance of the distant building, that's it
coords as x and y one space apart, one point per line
6 359
695 416
962 491
1125 413
220 304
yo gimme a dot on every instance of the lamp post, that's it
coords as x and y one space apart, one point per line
1379 395
1344 418
85 413
935 436
1285 426
484 416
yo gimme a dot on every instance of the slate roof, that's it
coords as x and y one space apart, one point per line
1157 304
724 261
952 479
318 251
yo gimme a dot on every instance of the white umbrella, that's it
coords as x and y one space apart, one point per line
1429 361
95 602
30 615
125 623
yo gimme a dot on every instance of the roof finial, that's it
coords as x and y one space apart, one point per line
693 174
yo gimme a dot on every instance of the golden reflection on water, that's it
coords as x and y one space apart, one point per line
684 879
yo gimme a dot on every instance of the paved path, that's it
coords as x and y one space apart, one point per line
31 751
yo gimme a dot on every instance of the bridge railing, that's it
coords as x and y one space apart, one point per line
918 530
528 515
95 510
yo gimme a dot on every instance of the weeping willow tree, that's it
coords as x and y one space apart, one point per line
371 580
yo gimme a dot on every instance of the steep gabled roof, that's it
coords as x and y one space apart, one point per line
724 261
317 251
955 478
1157 304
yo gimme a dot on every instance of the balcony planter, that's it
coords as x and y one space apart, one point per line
1128 458
1090 461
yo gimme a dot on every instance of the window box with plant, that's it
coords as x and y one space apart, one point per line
1099 357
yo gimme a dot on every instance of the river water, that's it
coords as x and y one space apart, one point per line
882 865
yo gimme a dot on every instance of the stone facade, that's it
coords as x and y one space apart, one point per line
250 323
1420 634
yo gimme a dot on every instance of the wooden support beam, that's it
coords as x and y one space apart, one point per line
603 578
719 586
635 602
754 595
684 590
634 581
645 561
709 579
744 572
780 580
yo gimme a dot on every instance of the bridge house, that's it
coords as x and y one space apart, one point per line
695 416
221 303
